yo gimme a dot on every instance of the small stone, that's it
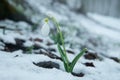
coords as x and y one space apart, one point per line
89 64
69 51
78 74
91 56
38 40
47 64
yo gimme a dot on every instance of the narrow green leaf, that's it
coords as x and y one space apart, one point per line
63 57
61 53
76 59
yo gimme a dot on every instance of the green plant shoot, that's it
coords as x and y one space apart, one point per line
69 66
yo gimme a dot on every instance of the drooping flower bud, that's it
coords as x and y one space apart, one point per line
45 28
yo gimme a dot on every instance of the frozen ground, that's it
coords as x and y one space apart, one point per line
80 31
110 22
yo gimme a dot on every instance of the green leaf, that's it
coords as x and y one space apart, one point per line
61 53
63 57
76 59
56 38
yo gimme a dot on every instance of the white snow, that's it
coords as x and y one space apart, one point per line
106 20
22 68
98 29
28 43
18 66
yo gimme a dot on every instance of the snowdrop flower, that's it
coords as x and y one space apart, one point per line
45 28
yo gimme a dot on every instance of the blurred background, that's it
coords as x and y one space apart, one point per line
104 7
94 24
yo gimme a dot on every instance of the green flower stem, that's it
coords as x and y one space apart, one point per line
67 64
61 37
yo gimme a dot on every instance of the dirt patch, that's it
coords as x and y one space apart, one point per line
9 47
89 64
49 54
47 64
78 74
115 59
70 51
91 56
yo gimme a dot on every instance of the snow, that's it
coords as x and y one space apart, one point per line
10 38
28 43
78 29
1 45
106 20
98 29
22 68
110 33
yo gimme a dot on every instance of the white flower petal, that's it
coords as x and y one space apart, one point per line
45 29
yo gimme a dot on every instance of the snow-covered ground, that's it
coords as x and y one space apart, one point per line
100 34
111 22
